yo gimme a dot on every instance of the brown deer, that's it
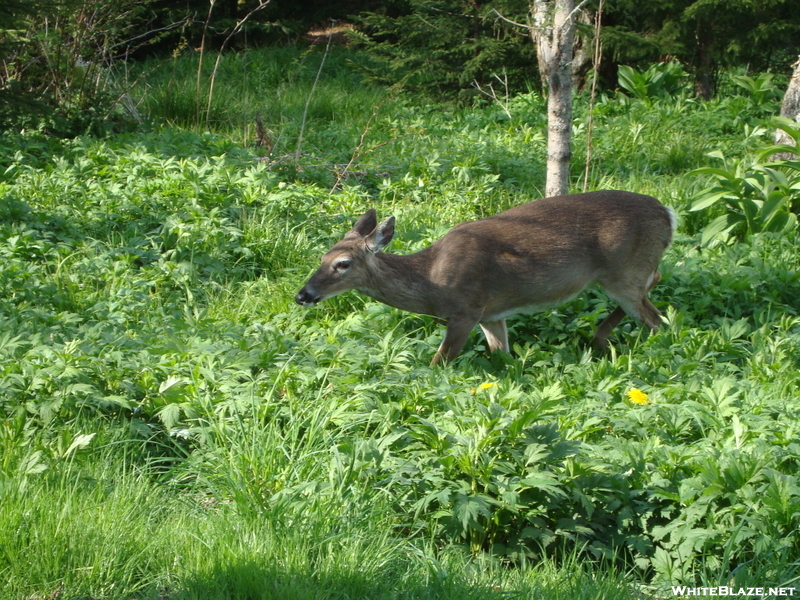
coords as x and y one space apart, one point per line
526 259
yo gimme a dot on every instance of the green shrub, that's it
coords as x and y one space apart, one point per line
759 195
660 81
761 88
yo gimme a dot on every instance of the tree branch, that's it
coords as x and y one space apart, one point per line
575 11
502 18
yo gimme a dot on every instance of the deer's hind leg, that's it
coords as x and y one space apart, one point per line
633 300
496 334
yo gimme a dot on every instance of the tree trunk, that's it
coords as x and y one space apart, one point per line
582 51
703 84
790 108
554 32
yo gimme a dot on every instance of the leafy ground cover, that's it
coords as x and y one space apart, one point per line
173 426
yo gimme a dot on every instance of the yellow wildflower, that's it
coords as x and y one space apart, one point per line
637 396
483 386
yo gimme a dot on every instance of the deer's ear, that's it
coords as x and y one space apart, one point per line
381 236
366 223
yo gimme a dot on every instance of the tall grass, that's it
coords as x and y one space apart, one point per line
100 525
274 84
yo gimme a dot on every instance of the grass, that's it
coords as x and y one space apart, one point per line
174 426
95 525
273 83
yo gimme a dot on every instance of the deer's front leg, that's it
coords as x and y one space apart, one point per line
458 330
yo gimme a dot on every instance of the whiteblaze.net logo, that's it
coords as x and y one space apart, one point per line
729 591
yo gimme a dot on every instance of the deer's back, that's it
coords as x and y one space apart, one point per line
544 252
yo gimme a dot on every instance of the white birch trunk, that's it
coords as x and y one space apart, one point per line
554 32
790 108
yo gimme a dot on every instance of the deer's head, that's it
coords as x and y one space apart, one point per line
346 266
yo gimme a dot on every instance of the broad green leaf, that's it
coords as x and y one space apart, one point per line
719 226
706 198
80 441
535 453
518 425
750 212
32 464
776 175
766 153
544 481
170 415
468 509
169 383
782 222
717 172
777 199
625 75
791 222
789 126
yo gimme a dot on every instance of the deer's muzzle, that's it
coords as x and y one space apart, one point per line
305 298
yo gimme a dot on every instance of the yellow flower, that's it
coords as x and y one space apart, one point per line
637 396
483 386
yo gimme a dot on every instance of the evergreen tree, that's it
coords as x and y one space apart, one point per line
705 35
445 47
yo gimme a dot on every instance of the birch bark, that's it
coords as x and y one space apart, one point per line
790 108
553 33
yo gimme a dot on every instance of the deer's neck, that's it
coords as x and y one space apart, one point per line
402 281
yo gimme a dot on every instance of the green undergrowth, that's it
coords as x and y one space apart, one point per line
173 425
93 525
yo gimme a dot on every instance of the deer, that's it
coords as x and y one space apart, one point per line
529 258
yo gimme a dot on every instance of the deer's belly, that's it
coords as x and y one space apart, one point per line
497 313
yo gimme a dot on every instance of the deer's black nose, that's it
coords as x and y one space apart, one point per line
305 298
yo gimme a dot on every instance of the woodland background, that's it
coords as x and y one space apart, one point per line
54 53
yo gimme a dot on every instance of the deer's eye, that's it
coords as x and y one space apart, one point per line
342 265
